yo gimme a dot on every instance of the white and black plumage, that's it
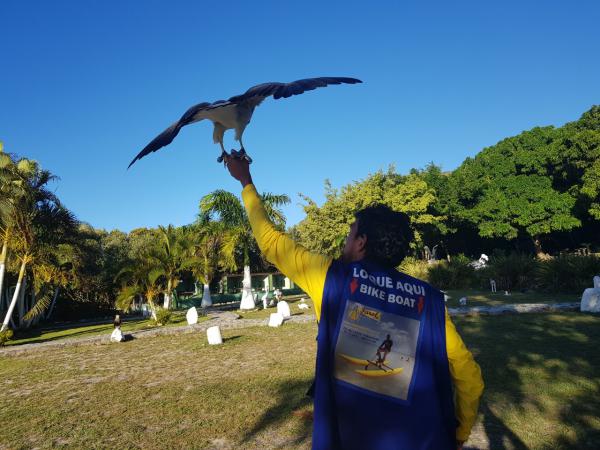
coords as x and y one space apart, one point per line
236 112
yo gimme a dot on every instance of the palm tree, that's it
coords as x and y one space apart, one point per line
228 209
141 281
9 191
53 256
38 222
169 256
213 249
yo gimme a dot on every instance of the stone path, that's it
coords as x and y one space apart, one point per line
224 319
514 308
230 320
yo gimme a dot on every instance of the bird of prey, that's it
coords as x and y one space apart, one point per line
236 112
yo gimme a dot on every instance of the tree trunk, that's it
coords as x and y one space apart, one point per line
21 301
167 299
3 257
206 300
15 296
539 252
53 303
247 298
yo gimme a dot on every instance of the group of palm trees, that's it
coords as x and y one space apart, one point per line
36 232
42 247
219 241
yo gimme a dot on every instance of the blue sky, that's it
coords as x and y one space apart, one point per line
84 85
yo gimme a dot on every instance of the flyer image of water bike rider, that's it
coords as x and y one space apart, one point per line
382 351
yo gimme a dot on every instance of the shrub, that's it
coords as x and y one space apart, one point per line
567 273
163 316
415 268
456 274
5 336
515 271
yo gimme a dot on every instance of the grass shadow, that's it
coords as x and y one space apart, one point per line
540 370
291 399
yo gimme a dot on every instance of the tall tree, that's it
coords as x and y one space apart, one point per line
213 250
34 215
169 256
324 228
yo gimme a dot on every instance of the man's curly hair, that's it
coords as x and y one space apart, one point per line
388 234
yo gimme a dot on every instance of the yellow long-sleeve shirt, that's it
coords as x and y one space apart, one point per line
309 270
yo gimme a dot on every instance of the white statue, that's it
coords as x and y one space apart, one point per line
590 300
117 335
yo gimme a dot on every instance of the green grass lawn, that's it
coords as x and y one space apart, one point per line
542 375
76 330
487 298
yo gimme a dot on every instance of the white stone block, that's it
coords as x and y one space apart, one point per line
590 300
284 309
303 306
275 320
214 335
192 316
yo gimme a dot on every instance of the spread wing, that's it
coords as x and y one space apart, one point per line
258 93
193 114
251 98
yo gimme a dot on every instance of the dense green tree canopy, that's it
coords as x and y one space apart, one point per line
324 228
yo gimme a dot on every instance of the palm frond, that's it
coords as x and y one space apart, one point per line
223 205
126 297
41 305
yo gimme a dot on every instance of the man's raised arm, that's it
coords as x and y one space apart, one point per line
308 270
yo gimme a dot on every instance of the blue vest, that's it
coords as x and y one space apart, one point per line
382 377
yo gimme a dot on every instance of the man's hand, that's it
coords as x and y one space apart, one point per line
238 168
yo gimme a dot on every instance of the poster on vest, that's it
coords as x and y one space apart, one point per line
376 348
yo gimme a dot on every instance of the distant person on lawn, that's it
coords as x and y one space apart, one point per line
439 386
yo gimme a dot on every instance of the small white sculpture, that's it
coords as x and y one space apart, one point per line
275 320
303 306
284 309
192 316
117 335
590 300
214 335
463 301
265 300
493 285
480 263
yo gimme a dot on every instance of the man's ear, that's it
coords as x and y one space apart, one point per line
361 243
